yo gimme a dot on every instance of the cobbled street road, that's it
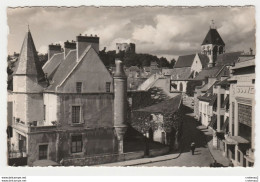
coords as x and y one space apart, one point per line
191 133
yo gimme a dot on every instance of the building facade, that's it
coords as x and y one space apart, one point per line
240 142
186 68
71 112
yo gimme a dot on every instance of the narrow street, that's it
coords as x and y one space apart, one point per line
192 132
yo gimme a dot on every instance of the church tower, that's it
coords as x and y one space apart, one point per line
212 45
28 83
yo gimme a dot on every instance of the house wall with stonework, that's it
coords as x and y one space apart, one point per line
51 104
94 142
41 138
96 110
91 72
204 110
28 107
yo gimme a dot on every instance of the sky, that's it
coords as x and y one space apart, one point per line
161 31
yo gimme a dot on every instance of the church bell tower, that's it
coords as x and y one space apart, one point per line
212 45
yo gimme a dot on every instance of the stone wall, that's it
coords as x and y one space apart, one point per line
100 141
110 158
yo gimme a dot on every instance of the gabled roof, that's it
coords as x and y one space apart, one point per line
224 82
209 72
204 59
228 58
169 106
213 37
51 65
63 70
181 73
185 61
28 62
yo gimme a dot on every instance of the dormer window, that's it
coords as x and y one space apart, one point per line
79 87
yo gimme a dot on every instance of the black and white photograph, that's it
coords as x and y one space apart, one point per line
139 86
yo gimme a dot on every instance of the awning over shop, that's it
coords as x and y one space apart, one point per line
168 106
226 101
213 100
235 140
225 124
213 122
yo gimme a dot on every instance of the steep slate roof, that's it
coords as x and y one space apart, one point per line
224 82
181 73
185 61
167 71
169 106
63 70
213 37
51 65
28 62
204 59
209 72
208 97
228 58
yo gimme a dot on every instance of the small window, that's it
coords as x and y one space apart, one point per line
108 86
75 114
44 112
79 87
43 151
76 144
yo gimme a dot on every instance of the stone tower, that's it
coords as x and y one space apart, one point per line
212 45
28 83
120 103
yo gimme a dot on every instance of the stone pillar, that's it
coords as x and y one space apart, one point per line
120 104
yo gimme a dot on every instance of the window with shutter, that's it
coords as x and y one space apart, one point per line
75 116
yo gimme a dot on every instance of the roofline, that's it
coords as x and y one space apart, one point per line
51 59
78 61
69 53
220 70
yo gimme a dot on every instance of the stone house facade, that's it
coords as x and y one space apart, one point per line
72 108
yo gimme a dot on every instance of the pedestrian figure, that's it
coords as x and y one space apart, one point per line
192 147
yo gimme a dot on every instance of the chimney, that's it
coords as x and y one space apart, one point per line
53 49
84 41
68 46
120 103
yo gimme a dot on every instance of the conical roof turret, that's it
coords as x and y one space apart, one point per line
28 62
213 37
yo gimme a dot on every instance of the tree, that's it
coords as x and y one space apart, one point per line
162 62
43 58
172 62
191 87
